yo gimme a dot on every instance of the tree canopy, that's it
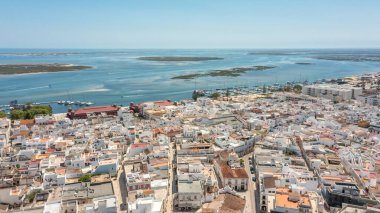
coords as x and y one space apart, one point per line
85 178
215 95
30 112
3 114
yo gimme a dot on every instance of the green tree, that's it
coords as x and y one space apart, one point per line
30 112
32 195
215 95
287 89
241 161
85 178
3 114
17 114
297 88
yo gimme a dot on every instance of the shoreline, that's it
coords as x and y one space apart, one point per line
220 90
178 58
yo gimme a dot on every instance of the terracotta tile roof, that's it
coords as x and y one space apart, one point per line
225 203
50 150
163 103
27 122
40 156
98 109
229 172
269 182
283 200
139 145
156 130
232 203
60 171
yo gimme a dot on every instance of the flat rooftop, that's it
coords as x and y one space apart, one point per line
190 187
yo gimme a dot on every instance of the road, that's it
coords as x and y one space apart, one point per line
171 182
251 192
120 190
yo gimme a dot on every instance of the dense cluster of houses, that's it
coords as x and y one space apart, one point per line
306 154
316 157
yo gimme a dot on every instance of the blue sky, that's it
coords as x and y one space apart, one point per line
190 24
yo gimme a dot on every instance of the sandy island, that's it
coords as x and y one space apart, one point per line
232 72
178 58
9 69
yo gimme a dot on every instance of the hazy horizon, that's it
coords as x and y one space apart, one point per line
179 48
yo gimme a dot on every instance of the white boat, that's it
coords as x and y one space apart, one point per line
69 102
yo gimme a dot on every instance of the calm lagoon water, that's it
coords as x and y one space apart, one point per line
118 77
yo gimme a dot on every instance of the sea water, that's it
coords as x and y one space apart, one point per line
119 77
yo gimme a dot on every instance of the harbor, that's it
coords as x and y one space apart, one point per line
61 106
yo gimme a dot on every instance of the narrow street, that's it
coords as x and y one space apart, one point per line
251 192
120 191
171 181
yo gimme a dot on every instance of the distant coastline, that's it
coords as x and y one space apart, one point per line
232 72
11 69
178 58
353 58
304 63
58 53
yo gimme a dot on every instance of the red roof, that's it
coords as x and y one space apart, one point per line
50 150
34 162
229 172
374 175
98 109
156 130
139 145
163 103
27 122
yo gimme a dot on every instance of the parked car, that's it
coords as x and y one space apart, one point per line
254 179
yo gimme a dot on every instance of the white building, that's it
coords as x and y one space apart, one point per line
145 205
108 166
5 128
370 99
189 196
105 204
332 91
